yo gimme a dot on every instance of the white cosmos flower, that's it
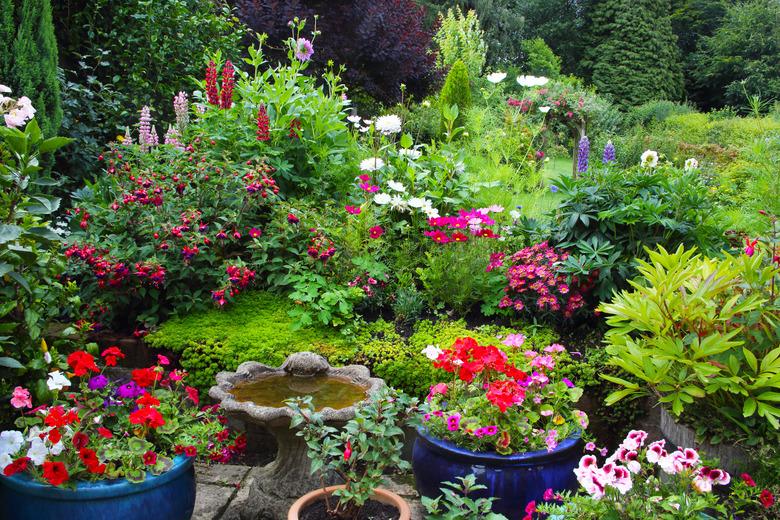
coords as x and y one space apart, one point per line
514 214
496 77
364 129
691 164
371 164
57 381
4 89
649 159
382 198
431 212
432 352
410 153
355 119
398 203
11 441
544 110
396 186
532 81
387 125
416 202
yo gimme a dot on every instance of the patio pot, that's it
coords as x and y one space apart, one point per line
170 495
513 479
732 458
380 495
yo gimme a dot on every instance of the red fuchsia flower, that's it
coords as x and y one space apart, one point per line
148 417
255 233
292 219
82 362
21 398
352 210
376 232
226 96
211 84
149 458
16 466
748 480
750 247
55 473
263 124
766 498
145 377
189 252
347 451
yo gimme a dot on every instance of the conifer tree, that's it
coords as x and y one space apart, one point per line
34 63
457 91
7 34
633 52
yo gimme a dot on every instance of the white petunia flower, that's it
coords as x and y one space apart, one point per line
11 441
691 164
387 125
496 77
371 164
5 460
57 381
38 451
649 159
398 203
410 153
396 186
432 352
544 110
382 198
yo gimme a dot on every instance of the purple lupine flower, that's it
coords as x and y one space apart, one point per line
153 139
303 49
582 155
128 138
145 128
172 138
609 153
181 107
98 382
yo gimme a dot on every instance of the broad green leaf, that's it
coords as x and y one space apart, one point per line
10 363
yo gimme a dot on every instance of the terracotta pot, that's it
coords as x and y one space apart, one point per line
380 495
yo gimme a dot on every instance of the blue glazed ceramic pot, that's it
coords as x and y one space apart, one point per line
169 496
514 479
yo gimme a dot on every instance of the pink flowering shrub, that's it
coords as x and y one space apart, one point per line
535 283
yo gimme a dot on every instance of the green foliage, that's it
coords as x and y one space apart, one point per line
7 33
31 291
656 112
633 57
455 504
33 71
256 328
460 38
540 60
702 335
456 91
360 453
743 53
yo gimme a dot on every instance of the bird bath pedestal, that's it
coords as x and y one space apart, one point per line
254 394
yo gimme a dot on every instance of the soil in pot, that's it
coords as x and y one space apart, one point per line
372 510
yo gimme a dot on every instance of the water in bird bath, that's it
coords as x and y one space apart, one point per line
326 391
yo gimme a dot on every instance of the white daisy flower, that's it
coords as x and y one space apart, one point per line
387 125
398 203
354 119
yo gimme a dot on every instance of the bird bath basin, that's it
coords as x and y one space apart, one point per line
255 393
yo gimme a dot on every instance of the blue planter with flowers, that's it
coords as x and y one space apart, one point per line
513 479
170 495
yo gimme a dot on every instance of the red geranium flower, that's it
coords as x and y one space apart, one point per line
58 418
148 417
16 466
111 354
105 433
766 498
55 435
55 473
82 362
505 393
150 458
192 393
144 377
147 400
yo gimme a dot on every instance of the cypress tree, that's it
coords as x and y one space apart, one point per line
457 91
633 52
34 63
7 33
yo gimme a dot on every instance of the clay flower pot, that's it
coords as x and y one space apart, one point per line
380 495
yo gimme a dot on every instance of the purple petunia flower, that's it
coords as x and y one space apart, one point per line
303 49
567 382
129 391
98 382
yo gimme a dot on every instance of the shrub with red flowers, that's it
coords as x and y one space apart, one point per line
535 282
507 403
98 428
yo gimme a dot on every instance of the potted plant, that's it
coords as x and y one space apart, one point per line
700 335
358 455
643 480
505 417
104 445
455 504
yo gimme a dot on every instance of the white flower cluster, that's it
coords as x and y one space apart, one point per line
397 202
15 111
385 125
371 164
